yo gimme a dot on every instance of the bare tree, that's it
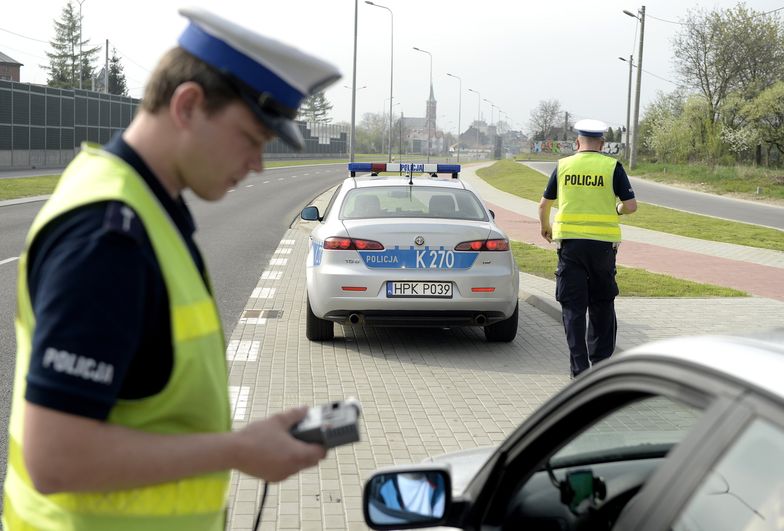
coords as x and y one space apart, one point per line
544 118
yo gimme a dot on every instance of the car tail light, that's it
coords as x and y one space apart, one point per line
351 244
482 290
483 245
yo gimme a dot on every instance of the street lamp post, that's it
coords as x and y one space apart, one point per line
628 103
352 138
459 109
492 107
429 121
635 135
478 112
80 42
391 67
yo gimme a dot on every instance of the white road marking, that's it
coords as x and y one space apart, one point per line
281 178
278 261
287 242
7 260
284 250
239 395
253 320
249 185
293 176
263 293
265 182
305 174
230 191
271 275
243 350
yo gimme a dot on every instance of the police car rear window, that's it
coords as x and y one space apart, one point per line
412 202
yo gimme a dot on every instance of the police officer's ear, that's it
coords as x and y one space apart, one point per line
185 101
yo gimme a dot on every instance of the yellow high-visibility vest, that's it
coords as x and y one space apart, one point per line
195 400
586 200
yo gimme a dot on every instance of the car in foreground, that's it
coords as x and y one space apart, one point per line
406 250
684 434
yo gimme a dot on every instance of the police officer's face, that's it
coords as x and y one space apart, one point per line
224 146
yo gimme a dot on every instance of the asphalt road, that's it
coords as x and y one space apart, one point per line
237 236
654 193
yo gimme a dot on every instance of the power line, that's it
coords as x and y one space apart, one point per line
24 52
664 20
129 59
23 36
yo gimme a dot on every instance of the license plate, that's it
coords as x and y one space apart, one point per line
437 290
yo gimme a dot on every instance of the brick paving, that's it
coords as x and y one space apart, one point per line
430 391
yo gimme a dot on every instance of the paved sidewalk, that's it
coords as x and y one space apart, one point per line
424 391
759 272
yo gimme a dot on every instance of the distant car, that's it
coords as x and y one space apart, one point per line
400 250
684 434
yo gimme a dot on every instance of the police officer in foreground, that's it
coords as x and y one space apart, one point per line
587 233
121 415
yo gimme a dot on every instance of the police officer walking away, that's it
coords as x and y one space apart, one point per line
121 416
587 233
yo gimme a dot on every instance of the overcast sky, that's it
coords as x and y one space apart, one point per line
514 53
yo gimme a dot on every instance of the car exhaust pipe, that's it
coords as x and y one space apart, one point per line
480 319
354 318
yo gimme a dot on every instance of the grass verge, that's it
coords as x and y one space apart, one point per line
632 282
27 186
522 181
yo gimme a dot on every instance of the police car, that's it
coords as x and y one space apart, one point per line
409 248
682 434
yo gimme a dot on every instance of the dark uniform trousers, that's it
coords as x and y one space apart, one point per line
585 282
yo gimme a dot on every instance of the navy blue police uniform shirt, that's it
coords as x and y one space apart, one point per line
621 185
102 310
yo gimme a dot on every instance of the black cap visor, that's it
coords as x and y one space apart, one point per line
286 128
271 114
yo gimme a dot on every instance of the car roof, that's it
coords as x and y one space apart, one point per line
755 359
367 181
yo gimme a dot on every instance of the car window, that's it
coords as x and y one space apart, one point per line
745 489
645 424
412 201
588 481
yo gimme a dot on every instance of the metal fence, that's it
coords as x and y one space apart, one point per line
43 127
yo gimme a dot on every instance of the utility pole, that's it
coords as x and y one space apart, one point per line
81 72
635 132
627 147
566 123
400 155
106 70
354 88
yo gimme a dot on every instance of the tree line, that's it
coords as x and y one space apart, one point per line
729 104
74 62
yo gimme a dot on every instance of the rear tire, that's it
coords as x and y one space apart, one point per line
505 330
317 329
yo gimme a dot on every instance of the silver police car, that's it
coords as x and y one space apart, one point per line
402 249
685 434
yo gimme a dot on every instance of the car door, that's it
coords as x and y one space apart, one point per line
566 468
738 487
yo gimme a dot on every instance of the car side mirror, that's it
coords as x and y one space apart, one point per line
492 214
407 498
310 213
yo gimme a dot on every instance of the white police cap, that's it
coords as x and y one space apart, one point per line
594 128
273 78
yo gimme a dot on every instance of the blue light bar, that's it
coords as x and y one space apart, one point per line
376 167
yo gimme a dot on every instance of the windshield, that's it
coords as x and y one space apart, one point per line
412 202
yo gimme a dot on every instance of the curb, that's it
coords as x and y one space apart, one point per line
22 200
